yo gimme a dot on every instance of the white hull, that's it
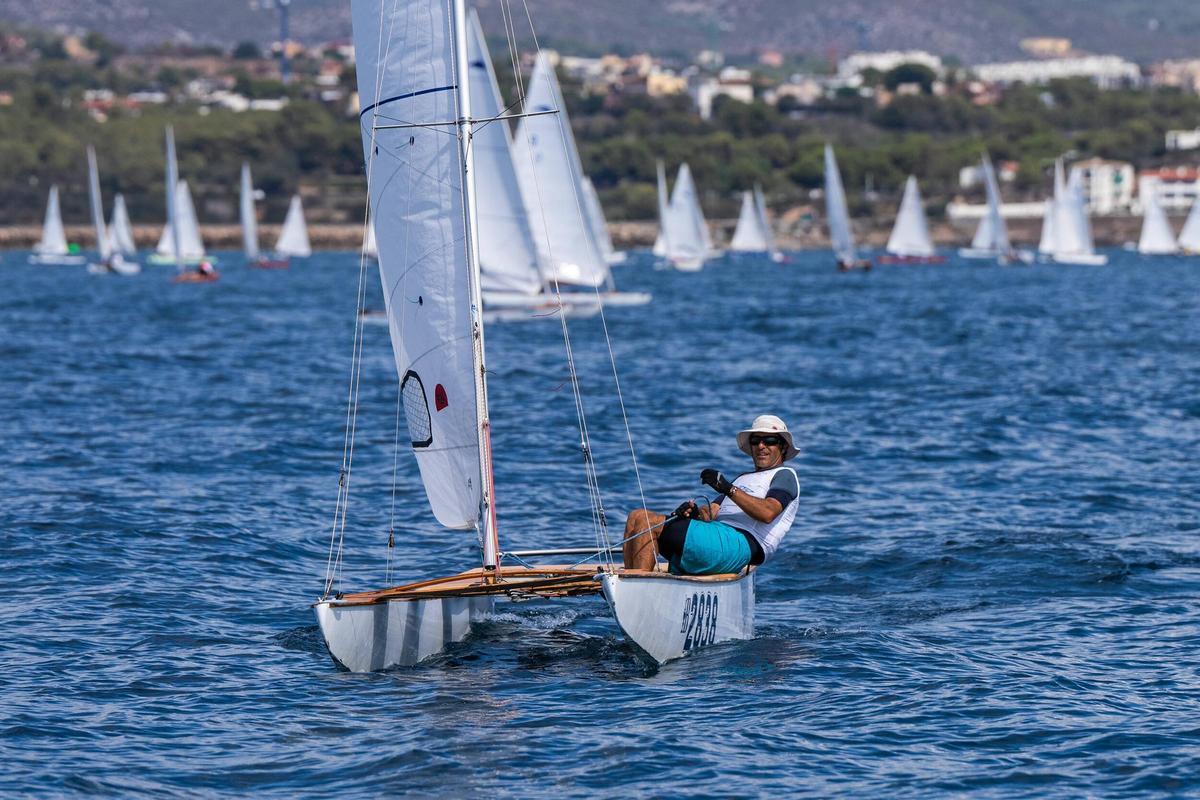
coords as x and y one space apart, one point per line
688 264
668 616
975 253
1084 259
60 261
396 633
502 301
115 267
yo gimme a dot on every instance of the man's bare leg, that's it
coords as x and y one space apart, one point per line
639 553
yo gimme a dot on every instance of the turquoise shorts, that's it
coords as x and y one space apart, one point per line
711 548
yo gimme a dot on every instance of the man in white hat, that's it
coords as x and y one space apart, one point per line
745 524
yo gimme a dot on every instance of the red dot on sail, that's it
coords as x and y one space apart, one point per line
439 397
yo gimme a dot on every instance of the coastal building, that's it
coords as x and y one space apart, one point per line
803 90
1107 185
1177 187
971 176
663 82
858 63
1047 46
1181 74
1107 72
731 82
1183 140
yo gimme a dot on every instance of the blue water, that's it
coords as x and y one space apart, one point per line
992 587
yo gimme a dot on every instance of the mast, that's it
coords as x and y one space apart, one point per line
172 182
487 511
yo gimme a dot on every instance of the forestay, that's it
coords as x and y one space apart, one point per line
910 235
246 211
550 177
415 177
509 261
837 212
293 236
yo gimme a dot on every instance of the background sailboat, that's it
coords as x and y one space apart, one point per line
991 240
599 224
1157 238
187 227
910 242
120 231
110 261
1070 232
53 248
684 231
293 236
753 232
1189 237
837 217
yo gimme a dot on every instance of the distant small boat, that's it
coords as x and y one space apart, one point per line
1066 231
120 231
191 246
837 217
111 262
991 242
685 241
599 224
910 242
249 220
293 236
53 248
753 233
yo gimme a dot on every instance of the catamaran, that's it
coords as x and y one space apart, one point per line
120 231
110 262
991 240
1066 231
686 243
837 217
53 248
1157 238
753 233
910 242
417 130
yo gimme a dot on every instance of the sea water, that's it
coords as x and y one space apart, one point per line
991 588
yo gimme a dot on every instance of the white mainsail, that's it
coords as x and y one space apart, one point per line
293 236
664 207
992 234
246 212
427 262
837 212
120 231
749 235
1157 237
550 177
910 234
509 263
1189 237
764 221
1046 243
171 236
103 246
191 246
686 232
54 236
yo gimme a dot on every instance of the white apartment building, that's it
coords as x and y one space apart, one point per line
1183 140
857 63
1107 185
1107 72
732 82
1177 187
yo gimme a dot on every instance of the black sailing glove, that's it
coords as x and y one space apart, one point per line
716 481
686 510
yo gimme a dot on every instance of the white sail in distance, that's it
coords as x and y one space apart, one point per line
686 232
54 236
191 246
764 221
170 244
837 213
508 254
992 233
420 205
664 209
293 236
749 235
247 215
120 231
1189 237
596 219
551 182
103 246
910 234
1157 237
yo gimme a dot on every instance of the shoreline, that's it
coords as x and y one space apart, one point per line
807 234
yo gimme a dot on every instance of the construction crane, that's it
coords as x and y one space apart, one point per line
281 6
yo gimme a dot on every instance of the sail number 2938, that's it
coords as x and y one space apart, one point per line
699 620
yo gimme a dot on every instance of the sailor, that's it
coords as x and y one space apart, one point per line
745 524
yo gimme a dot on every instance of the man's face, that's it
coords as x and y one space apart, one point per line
766 449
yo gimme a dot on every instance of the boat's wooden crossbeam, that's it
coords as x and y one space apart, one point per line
505 581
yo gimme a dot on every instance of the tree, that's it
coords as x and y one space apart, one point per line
910 73
247 51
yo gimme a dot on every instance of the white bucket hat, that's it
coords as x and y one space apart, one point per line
767 423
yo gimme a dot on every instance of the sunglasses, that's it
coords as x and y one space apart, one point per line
769 440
